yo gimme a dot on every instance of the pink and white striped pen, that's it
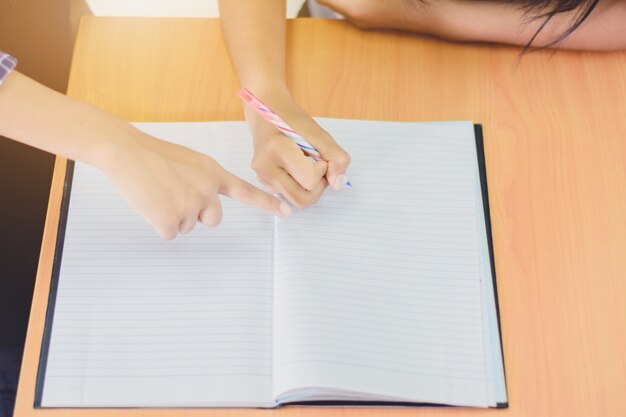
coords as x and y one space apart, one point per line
268 114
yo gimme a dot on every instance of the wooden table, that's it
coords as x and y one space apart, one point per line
555 132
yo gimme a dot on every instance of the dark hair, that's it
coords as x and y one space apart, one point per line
546 9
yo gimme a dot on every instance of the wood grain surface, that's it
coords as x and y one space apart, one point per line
555 138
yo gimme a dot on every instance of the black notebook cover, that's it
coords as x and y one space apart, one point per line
43 357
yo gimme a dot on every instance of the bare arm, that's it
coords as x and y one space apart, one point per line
489 21
173 187
255 34
45 119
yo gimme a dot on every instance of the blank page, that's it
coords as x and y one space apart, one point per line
378 287
144 322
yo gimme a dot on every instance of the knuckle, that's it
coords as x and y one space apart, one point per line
360 15
316 198
211 223
208 163
343 158
302 200
272 146
310 182
257 164
167 233
187 227
261 165
211 217
167 225
215 220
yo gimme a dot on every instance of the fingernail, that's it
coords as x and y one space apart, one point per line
284 208
339 182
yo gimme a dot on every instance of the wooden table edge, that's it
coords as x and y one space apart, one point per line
25 399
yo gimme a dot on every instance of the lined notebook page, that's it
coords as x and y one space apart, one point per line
144 322
378 287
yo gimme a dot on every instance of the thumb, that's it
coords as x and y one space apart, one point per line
338 161
244 192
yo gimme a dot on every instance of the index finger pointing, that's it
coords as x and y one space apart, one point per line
244 192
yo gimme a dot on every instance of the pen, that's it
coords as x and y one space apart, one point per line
268 114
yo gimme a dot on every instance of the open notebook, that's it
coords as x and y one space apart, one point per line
382 293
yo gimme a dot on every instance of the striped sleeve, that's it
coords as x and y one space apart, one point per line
7 63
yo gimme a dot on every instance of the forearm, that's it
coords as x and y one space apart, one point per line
510 23
490 21
45 119
254 31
